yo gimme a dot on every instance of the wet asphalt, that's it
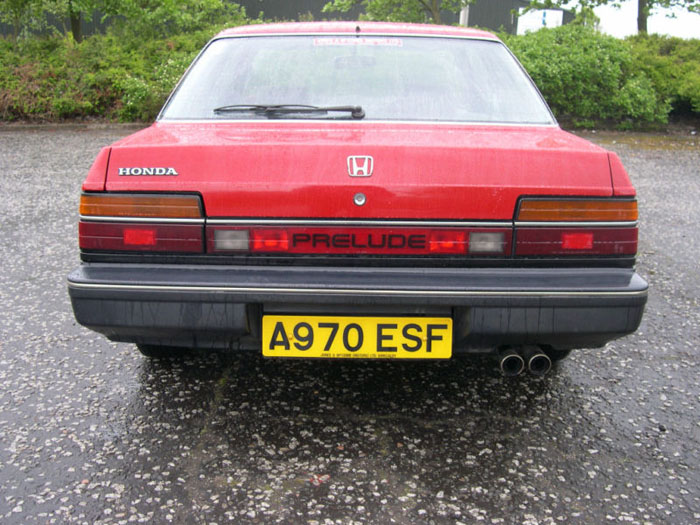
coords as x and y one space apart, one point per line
91 432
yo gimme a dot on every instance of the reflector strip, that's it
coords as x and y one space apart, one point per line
359 241
577 210
155 206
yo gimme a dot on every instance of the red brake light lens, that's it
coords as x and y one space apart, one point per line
577 241
447 241
269 240
139 237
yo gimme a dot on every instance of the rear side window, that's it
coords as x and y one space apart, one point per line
391 78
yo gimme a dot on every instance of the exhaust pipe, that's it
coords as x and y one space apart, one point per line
511 363
538 363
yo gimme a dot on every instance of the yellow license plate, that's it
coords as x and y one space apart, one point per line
357 337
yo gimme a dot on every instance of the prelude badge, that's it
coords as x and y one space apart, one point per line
136 172
360 165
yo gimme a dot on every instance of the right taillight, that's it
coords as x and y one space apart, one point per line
561 227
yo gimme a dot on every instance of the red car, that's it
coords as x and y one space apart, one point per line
362 190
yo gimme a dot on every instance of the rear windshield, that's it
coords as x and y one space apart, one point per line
390 78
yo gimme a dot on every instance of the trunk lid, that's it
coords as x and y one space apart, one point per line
293 169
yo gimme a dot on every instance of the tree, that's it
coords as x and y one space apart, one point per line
21 14
74 10
644 7
164 17
399 10
148 17
31 14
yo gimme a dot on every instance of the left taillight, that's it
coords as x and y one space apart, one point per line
141 222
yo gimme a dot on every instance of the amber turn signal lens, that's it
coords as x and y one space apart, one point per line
579 210
121 205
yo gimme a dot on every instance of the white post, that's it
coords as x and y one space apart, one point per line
464 16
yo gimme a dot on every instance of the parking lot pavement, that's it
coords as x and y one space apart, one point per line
92 432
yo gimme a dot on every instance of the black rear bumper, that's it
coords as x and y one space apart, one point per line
221 306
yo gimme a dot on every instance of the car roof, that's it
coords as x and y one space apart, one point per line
365 28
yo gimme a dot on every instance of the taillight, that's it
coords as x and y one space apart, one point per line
177 238
548 226
567 241
359 240
145 223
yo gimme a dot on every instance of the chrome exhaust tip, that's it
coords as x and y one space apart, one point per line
511 363
538 363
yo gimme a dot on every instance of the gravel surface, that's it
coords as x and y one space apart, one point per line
91 432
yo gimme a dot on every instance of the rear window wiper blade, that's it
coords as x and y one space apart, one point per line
356 112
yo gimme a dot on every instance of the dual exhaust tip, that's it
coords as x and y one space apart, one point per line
514 361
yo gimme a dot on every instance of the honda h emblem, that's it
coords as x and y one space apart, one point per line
360 165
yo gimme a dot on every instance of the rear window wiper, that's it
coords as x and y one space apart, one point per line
271 110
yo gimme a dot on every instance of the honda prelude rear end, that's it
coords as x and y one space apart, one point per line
358 190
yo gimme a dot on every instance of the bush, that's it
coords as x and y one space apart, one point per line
119 75
158 18
673 65
588 78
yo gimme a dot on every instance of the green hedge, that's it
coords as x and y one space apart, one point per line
115 76
589 79
673 65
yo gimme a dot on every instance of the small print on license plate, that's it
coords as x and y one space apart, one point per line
357 337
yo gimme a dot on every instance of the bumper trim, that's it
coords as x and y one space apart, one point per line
358 222
363 291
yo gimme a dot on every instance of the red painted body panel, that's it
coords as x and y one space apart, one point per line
421 171
96 177
622 186
351 28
